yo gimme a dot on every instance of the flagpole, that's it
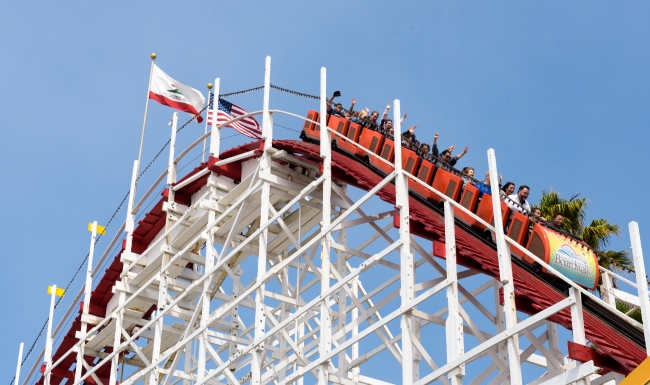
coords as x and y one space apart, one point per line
20 363
205 131
215 133
48 337
146 107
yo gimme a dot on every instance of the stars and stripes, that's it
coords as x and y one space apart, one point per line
228 111
210 109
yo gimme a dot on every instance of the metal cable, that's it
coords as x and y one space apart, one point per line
295 92
279 125
99 236
277 88
242 92
119 207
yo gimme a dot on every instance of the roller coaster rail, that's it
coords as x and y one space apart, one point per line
269 221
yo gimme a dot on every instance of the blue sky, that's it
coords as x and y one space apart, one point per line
559 89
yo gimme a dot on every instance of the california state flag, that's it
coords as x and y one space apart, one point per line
169 92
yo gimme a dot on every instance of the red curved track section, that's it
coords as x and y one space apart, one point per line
532 294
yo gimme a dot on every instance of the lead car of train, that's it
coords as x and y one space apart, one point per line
568 255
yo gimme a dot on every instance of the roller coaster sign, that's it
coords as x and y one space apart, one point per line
574 260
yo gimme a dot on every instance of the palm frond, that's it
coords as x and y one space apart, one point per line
573 210
615 260
598 233
625 308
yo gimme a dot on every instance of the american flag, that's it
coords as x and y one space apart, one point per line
227 111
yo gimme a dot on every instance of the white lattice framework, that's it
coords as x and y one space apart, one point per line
257 309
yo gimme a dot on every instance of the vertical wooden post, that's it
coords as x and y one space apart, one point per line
505 273
641 280
454 323
326 154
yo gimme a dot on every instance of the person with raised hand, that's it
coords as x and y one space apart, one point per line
445 157
385 114
410 133
337 110
351 110
385 119
404 117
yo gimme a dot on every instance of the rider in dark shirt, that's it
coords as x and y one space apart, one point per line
445 157
370 121
556 225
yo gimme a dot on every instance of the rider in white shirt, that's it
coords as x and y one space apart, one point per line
518 201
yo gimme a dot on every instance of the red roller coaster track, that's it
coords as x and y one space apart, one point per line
533 294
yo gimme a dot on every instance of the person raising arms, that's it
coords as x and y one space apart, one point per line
445 157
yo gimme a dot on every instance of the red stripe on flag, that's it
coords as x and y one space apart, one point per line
249 130
185 107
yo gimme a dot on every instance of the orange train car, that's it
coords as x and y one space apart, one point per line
339 125
425 174
571 257
345 144
574 259
469 200
448 183
311 130
372 140
388 153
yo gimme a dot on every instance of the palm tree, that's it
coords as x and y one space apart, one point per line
597 234
633 311
573 210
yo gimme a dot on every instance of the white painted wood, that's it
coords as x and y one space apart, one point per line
641 280
626 297
293 322
86 304
265 166
19 364
606 289
191 179
610 378
407 263
215 132
120 296
454 322
326 154
577 320
580 373
531 322
209 262
505 273
48 338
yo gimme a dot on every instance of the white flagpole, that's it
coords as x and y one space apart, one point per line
215 133
146 107
20 359
205 131
48 339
